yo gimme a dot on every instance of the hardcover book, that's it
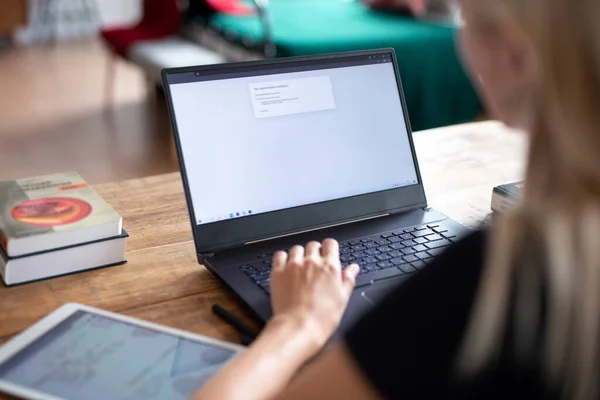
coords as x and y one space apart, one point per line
506 197
50 212
68 260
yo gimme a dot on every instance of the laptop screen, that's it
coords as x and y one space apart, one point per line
286 136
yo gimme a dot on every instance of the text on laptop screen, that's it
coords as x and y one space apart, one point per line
266 141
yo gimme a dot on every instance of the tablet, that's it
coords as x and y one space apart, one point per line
80 352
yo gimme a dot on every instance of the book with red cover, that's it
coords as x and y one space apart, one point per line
50 212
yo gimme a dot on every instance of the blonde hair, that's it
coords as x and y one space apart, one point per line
547 252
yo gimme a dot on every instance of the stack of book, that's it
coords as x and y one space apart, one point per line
56 225
506 197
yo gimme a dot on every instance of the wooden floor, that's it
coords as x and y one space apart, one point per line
53 116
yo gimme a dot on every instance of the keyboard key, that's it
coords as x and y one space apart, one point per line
363 241
382 257
354 243
262 255
346 258
432 226
359 247
262 268
423 232
371 267
406 268
407 230
439 229
423 255
246 267
407 251
433 237
410 258
370 245
408 243
384 249
382 242
377 276
420 240
264 284
369 260
385 264
359 261
438 243
260 279
398 261
395 239
358 254
420 228
419 247
435 252
397 246
372 252
450 234
406 236
387 235
418 264
395 253
345 250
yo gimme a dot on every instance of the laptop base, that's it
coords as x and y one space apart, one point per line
226 265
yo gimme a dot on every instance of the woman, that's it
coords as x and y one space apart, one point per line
512 311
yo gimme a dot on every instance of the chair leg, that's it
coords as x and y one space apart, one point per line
109 82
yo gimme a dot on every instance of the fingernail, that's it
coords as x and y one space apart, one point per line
354 269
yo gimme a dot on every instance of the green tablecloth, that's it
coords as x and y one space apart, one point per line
437 90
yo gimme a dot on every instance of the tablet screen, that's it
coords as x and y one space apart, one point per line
88 356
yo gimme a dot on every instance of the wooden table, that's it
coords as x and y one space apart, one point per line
163 282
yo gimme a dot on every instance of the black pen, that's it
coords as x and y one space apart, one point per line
248 334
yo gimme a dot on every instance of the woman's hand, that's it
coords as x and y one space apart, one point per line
309 292
310 289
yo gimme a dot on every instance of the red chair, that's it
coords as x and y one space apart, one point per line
160 19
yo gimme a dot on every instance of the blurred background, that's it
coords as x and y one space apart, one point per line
80 79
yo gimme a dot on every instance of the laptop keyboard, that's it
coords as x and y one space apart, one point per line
398 253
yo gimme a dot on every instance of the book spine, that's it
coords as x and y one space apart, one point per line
4 241
502 203
3 265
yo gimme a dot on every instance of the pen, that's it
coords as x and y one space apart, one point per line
248 334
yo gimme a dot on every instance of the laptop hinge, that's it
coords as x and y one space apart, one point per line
317 229
205 256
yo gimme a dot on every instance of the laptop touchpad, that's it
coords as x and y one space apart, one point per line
377 292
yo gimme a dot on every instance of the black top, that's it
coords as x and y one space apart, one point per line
408 345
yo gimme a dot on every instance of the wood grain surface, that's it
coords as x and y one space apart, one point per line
162 281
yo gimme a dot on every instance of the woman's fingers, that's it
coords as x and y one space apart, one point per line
279 260
349 277
330 250
313 250
296 256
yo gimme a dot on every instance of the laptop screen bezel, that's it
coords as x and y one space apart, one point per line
229 233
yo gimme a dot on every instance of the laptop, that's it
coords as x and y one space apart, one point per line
281 152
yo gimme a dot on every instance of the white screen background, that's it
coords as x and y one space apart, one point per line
236 162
